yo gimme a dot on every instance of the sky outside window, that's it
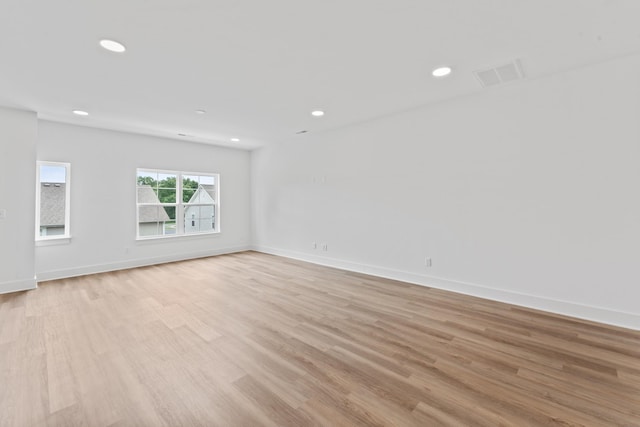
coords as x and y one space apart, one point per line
52 174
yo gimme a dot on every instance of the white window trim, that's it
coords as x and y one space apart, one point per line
63 238
179 206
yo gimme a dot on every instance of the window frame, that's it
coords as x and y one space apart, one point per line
179 204
67 201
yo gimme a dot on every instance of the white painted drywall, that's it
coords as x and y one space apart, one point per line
18 131
528 193
103 218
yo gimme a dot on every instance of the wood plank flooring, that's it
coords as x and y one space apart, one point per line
256 340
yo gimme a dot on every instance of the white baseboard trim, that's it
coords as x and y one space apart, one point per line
17 286
596 314
133 263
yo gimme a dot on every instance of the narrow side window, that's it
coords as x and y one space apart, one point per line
52 200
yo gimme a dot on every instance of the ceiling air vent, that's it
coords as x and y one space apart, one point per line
500 74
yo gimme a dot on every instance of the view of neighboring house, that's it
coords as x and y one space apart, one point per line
200 211
151 219
52 208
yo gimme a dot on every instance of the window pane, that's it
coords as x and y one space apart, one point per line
187 195
190 181
207 180
147 194
205 192
149 178
170 228
166 180
52 231
53 200
170 211
156 220
167 196
53 173
150 229
199 218
189 187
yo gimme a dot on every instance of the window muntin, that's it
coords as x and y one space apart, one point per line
52 200
171 203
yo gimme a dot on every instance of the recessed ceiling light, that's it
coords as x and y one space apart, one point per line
317 113
80 113
235 140
441 72
200 112
112 45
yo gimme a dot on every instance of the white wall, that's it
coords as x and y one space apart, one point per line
18 131
528 193
103 217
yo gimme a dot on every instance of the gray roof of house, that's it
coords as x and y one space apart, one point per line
150 213
52 204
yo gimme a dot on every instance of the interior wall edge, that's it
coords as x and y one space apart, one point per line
584 312
17 286
140 262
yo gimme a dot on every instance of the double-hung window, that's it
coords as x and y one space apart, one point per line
52 200
172 203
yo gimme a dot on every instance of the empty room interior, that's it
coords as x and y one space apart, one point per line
291 213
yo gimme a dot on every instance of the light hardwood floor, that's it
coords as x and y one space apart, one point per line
256 340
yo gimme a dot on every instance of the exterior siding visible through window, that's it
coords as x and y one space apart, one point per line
172 203
53 200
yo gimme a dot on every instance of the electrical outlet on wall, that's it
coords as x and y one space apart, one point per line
427 262
314 245
325 247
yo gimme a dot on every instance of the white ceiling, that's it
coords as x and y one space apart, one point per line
259 67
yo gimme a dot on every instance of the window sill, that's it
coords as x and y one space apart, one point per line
175 237
53 241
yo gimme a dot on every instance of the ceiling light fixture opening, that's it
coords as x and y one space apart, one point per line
80 113
112 46
235 140
317 113
441 72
